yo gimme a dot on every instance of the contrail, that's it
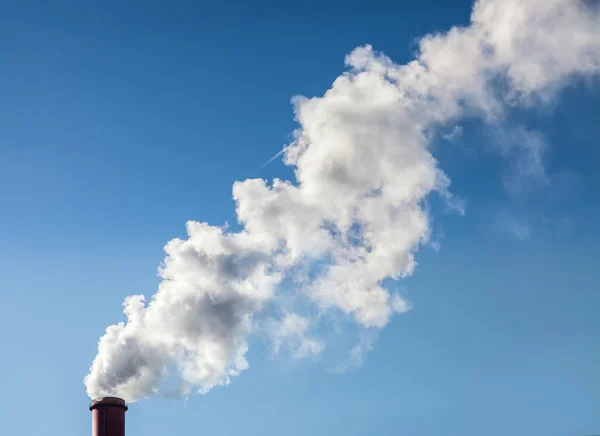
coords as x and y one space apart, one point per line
276 155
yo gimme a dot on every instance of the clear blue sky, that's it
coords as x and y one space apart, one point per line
120 121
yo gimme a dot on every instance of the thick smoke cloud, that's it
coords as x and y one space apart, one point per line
355 215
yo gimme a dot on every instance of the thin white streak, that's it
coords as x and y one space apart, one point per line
276 155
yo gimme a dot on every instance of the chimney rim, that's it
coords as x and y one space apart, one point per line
108 402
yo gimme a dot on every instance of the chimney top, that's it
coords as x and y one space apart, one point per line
108 402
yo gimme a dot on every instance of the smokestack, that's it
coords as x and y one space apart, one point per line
108 416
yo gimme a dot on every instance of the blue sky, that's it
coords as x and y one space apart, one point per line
122 122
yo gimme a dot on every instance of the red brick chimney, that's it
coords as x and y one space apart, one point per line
108 416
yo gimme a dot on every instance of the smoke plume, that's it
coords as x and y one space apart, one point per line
355 215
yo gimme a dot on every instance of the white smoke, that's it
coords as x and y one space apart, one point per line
356 214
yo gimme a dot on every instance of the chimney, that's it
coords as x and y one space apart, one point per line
108 416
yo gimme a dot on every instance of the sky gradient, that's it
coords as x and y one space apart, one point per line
123 122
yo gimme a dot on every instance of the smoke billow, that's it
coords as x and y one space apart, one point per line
356 214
